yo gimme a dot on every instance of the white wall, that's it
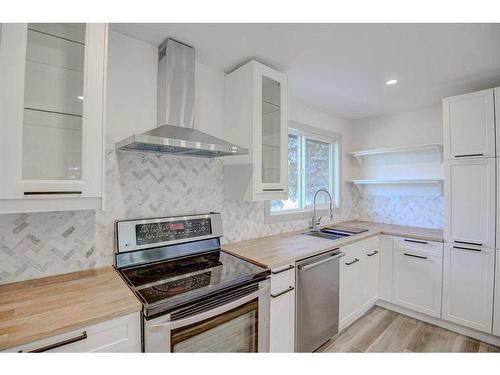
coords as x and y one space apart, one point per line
399 129
403 129
131 88
404 204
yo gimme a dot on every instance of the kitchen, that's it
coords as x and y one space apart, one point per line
166 189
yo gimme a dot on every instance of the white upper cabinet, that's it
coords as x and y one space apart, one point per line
51 118
469 125
468 277
470 202
256 118
497 117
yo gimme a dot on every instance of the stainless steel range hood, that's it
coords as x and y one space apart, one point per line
175 133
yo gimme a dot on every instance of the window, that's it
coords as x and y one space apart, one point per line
313 163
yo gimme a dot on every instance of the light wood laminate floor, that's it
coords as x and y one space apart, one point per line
381 330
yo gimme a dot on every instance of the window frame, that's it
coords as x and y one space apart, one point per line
308 132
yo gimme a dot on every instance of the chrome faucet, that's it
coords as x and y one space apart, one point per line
315 222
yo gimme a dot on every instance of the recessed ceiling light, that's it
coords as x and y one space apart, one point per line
80 97
391 82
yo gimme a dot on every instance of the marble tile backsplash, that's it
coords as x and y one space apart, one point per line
147 185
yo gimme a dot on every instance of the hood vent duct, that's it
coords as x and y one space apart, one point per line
175 133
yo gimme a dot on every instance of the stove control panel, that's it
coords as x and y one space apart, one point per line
149 233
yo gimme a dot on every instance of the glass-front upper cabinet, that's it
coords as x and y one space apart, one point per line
257 119
51 130
273 129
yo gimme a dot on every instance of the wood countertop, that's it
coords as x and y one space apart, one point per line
278 250
35 309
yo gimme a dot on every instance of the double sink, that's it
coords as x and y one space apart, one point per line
334 232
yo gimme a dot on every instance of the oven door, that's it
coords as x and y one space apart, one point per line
236 321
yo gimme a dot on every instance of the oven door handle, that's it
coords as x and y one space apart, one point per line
164 321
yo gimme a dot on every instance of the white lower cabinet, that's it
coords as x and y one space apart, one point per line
121 334
359 280
417 276
282 332
350 296
385 278
496 309
468 278
370 278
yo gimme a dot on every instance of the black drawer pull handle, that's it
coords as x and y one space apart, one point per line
468 155
372 254
290 267
290 288
466 248
83 336
354 261
415 241
469 243
51 192
273 189
414 256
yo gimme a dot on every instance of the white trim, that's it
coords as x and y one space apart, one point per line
320 135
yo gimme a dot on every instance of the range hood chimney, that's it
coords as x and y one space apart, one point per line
175 133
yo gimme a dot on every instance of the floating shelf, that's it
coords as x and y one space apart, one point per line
437 182
359 155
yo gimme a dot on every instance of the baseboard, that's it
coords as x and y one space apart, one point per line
490 339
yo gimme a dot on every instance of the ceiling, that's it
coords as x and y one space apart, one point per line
343 67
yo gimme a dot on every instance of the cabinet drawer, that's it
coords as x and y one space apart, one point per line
362 246
420 247
282 278
117 335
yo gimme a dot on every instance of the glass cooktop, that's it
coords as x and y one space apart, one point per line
176 282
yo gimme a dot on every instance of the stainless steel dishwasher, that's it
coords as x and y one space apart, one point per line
317 300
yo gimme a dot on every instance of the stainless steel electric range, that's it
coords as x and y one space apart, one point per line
196 297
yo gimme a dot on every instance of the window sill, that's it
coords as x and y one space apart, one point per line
294 215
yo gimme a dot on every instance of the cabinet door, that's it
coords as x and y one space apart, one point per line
370 278
469 125
282 321
468 277
271 132
385 284
282 330
470 202
351 293
496 310
417 282
52 112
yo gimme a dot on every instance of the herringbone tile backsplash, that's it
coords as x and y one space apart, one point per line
147 185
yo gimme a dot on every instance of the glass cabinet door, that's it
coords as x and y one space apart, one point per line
271 131
53 102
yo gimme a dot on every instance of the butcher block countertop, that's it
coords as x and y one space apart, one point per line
278 250
35 309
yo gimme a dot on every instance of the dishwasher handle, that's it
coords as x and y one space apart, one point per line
312 265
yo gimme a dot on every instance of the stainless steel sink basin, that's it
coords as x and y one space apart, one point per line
332 233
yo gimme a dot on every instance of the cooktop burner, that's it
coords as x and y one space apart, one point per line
175 281
154 272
